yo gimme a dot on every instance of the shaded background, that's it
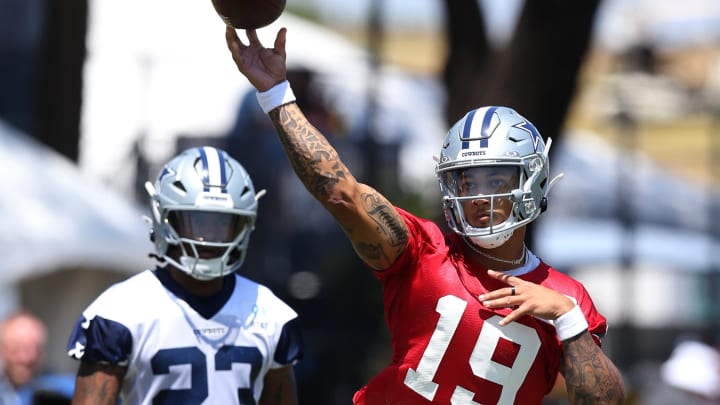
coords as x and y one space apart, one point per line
95 96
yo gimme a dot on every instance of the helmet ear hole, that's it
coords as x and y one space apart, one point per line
543 204
244 191
178 184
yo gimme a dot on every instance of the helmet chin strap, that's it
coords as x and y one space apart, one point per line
203 269
492 241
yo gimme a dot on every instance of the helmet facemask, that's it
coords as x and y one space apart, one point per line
207 243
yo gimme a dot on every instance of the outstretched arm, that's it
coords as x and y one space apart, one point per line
370 221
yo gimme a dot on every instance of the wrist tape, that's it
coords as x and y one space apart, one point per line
275 96
570 324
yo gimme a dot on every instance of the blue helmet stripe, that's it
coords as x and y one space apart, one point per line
214 173
223 173
466 128
205 172
484 128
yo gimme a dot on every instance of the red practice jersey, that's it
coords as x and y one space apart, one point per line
447 347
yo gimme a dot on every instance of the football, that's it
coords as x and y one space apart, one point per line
249 14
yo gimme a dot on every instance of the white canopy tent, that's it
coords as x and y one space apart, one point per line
64 238
54 217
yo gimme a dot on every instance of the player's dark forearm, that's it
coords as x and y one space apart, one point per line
97 384
590 377
279 387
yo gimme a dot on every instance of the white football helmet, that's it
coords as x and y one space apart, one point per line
203 208
512 160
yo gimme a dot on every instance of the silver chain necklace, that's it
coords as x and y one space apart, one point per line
514 262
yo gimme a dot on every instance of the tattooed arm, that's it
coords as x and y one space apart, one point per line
374 227
590 377
98 384
370 221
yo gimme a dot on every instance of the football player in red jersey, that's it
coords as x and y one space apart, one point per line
461 332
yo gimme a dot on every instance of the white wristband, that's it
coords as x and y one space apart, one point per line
570 324
275 96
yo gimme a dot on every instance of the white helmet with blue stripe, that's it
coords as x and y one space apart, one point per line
495 156
203 207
